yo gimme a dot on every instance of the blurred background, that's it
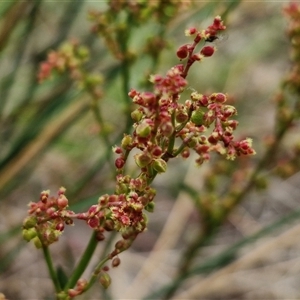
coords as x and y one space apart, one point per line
49 137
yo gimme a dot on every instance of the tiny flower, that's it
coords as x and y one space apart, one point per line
148 97
132 93
214 138
93 222
185 153
196 57
229 110
117 150
218 97
195 96
190 31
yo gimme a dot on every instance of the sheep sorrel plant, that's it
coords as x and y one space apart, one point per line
165 127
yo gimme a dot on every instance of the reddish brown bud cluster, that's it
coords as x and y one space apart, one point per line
47 217
186 51
70 58
79 289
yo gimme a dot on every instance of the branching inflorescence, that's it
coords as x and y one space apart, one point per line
164 128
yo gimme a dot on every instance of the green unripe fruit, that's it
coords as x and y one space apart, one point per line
159 165
136 115
150 207
105 280
29 234
197 116
143 130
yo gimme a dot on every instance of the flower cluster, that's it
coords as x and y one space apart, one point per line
161 120
208 35
120 212
47 218
70 58
164 127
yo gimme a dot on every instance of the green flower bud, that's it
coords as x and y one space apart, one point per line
150 207
29 222
197 117
37 242
122 188
159 165
29 234
192 142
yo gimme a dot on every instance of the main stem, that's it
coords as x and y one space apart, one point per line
83 263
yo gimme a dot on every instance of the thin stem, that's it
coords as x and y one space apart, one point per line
84 261
96 273
51 270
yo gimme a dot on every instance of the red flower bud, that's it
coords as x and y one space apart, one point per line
60 227
207 51
182 52
62 202
156 151
218 97
119 163
190 31
148 97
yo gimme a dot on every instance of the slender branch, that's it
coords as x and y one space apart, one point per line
51 270
84 261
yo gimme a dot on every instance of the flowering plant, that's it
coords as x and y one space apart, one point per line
164 128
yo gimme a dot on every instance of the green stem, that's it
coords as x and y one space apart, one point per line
84 261
51 270
96 273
